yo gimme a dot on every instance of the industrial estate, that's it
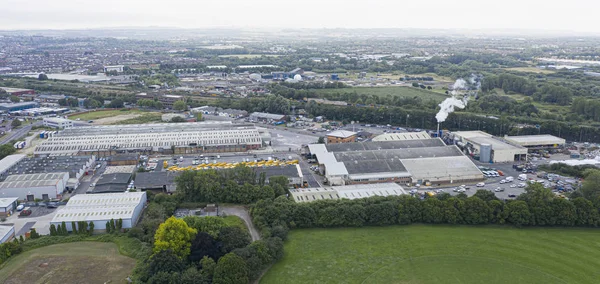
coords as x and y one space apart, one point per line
201 159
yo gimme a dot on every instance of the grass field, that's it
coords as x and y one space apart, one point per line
249 55
101 114
151 117
439 254
82 262
407 92
235 221
531 70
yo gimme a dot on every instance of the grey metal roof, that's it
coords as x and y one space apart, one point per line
406 153
10 161
28 184
116 178
36 177
382 145
155 179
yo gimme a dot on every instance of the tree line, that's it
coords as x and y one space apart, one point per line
238 185
544 92
536 207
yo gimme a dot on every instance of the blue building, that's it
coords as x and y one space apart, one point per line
18 106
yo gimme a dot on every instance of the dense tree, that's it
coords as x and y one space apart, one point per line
432 210
165 261
180 105
231 269
485 195
591 184
193 276
42 77
209 224
208 267
232 238
204 245
518 213
176 235
409 210
476 211
6 150
177 119
15 123
116 103
15 99
497 214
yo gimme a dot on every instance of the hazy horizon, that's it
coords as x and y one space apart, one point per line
511 15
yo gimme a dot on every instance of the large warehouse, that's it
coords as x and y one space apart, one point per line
182 138
34 186
346 192
490 148
100 208
402 136
536 142
408 161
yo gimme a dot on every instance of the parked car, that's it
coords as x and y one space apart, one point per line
20 207
481 184
512 195
52 205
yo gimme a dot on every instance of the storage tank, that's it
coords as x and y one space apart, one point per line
485 153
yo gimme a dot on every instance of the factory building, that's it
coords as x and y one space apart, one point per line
101 208
35 186
341 136
117 68
10 107
489 148
57 122
346 192
270 117
9 163
172 138
402 136
17 91
8 206
166 100
7 233
537 142
409 161
76 166
156 181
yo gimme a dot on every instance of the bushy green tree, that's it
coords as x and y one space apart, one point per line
231 269
176 235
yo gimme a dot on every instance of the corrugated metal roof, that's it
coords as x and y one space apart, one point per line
38 177
10 161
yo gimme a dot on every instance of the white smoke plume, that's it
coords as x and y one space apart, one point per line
448 105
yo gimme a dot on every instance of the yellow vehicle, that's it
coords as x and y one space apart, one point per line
430 193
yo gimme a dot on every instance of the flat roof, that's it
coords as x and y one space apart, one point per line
346 192
443 168
380 145
125 198
471 134
497 144
11 105
5 202
10 161
155 179
532 140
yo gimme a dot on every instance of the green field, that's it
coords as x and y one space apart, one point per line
81 262
407 92
101 114
439 254
248 55
150 117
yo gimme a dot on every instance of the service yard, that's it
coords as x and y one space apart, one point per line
438 254
81 262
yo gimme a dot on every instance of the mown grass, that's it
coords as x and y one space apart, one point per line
151 117
92 115
235 221
439 254
404 91
78 262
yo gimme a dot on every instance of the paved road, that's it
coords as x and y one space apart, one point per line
17 134
243 213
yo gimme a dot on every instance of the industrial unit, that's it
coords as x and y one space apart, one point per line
402 136
35 186
9 163
346 192
101 208
7 233
408 161
76 166
10 107
341 136
8 205
536 142
490 149
57 122
257 116
156 181
172 138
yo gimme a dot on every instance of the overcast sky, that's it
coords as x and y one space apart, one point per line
575 15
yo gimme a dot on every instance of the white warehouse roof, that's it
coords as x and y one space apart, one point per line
536 140
347 192
10 161
341 133
99 207
402 136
